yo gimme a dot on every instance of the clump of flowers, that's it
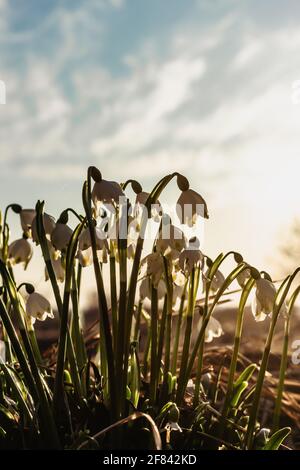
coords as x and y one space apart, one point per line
156 305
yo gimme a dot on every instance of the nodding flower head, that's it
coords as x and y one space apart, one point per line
26 219
85 256
190 258
85 239
190 206
107 192
20 251
216 282
170 238
213 330
243 277
264 298
141 199
173 419
61 236
155 267
37 306
58 268
49 226
145 291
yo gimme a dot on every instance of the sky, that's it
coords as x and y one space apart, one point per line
143 88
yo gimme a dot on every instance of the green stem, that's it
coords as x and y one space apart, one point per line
113 296
103 309
178 331
167 367
190 362
54 284
187 337
76 329
284 360
237 340
138 321
154 373
265 359
162 328
198 374
38 389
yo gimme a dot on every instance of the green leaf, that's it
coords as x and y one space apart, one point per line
277 438
237 393
245 375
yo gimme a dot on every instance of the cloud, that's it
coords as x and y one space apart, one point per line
209 97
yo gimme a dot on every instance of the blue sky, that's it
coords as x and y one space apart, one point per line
141 88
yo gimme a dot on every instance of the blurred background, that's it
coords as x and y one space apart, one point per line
140 89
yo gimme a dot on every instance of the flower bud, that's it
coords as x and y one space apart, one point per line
254 273
136 187
95 174
238 258
16 208
182 183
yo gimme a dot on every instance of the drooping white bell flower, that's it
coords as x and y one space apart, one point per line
61 236
85 257
58 270
107 192
243 277
49 226
190 206
190 259
263 300
145 291
37 306
20 251
155 267
178 277
141 199
2 352
173 419
217 281
26 218
84 241
170 238
213 330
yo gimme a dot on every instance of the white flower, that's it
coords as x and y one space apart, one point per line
213 330
189 206
49 226
263 301
26 218
243 277
61 236
217 281
155 267
85 257
190 387
58 270
178 277
170 238
106 192
37 306
173 426
141 199
189 259
20 251
84 241
145 292
2 352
